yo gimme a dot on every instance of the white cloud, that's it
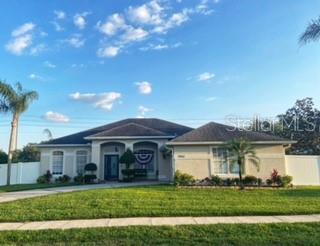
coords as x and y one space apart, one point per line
59 14
75 41
160 46
144 87
57 26
134 34
143 111
80 21
56 117
103 101
149 13
49 64
36 50
19 44
114 23
35 77
210 99
141 22
205 76
110 51
23 29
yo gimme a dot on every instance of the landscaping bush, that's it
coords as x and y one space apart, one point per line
286 180
250 180
181 179
41 180
91 167
235 181
45 179
90 178
259 182
216 180
275 177
269 182
79 178
63 179
128 158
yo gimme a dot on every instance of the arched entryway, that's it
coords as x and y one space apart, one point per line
146 165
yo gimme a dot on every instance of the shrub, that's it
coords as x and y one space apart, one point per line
45 179
250 180
235 181
63 179
91 167
269 182
90 178
128 158
259 182
183 179
79 178
41 180
275 177
286 180
216 180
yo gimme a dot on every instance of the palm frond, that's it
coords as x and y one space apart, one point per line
312 33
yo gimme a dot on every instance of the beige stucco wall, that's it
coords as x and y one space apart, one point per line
198 160
97 151
69 154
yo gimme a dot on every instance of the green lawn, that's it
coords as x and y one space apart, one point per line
162 201
267 234
22 187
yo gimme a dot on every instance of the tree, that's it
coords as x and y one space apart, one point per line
18 101
29 153
241 150
301 123
48 133
312 32
3 157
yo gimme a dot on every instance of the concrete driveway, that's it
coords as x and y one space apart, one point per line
12 196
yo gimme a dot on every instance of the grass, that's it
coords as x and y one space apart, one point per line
162 201
22 187
264 234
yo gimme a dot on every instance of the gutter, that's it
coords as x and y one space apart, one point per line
222 143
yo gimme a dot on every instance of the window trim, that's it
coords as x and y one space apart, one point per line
216 160
63 162
75 159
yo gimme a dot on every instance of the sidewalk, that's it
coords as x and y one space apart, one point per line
156 221
13 196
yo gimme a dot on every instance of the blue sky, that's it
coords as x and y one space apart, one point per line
188 61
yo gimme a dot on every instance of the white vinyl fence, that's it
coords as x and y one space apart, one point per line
305 169
21 173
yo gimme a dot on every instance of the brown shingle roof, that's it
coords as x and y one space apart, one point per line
166 127
129 130
215 132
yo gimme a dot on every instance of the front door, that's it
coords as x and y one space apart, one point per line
111 167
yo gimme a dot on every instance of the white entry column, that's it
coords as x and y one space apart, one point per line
96 158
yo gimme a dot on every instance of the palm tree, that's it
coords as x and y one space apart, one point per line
241 150
17 101
312 33
48 134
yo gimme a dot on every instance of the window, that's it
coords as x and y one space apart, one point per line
222 162
81 161
144 159
57 163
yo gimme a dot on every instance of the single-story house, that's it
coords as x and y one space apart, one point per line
199 152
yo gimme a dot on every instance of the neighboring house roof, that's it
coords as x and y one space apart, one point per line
144 127
215 132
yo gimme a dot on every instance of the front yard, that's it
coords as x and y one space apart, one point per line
267 234
162 201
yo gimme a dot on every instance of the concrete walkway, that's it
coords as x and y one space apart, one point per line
156 221
12 196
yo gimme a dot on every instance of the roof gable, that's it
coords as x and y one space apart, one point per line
166 127
129 130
